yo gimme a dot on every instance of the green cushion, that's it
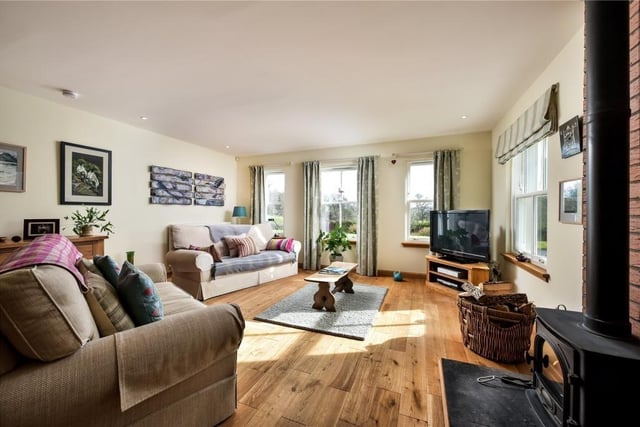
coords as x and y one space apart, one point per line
139 295
108 267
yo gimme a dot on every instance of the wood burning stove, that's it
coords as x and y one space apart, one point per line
585 363
581 378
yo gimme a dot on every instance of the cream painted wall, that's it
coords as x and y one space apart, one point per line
564 263
475 188
39 125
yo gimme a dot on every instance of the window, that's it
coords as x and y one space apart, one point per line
529 212
419 199
274 195
338 190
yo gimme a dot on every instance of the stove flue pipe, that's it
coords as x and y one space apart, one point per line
607 174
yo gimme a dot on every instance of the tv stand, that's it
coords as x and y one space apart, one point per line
457 260
452 274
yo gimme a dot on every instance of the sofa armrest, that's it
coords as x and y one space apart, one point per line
297 246
156 271
189 260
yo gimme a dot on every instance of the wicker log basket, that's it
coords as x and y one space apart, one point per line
497 327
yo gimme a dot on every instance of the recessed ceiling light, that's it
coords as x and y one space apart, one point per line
144 118
464 117
227 146
69 93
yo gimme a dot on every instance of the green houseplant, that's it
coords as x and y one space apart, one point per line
334 241
86 222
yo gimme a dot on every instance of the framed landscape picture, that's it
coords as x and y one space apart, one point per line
12 167
571 201
85 175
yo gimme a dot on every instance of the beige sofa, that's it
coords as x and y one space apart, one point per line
58 368
196 271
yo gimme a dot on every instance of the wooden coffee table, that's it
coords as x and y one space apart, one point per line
323 298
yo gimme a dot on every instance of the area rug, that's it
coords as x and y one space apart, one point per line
353 317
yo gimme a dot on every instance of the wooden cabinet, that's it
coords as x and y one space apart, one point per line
454 274
88 246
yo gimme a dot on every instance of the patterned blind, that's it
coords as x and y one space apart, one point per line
539 121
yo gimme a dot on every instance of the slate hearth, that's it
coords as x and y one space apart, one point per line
469 403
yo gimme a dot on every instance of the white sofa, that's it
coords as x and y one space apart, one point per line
195 270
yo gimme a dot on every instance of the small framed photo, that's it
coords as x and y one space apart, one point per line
85 175
570 138
12 167
38 227
571 201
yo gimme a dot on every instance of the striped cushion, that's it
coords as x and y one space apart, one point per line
105 306
280 245
245 245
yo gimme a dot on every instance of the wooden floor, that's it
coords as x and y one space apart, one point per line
291 377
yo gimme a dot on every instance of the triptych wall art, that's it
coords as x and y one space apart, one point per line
177 187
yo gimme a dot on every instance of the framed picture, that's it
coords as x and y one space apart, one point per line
570 138
38 227
12 167
85 175
571 201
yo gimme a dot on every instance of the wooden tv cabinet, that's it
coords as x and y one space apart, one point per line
88 246
453 274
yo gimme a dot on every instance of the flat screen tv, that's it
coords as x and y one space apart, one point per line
461 235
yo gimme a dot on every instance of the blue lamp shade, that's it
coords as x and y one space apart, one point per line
239 211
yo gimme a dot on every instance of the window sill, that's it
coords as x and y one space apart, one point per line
539 272
414 244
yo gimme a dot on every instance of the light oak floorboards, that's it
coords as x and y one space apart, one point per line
291 377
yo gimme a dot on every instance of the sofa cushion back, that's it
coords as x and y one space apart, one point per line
9 358
183 235
43 313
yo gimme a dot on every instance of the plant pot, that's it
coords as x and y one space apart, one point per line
88 230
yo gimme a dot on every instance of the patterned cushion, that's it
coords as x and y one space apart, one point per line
109 314
232 244
280 245
43 313
213 250
244 245
108 267
139 295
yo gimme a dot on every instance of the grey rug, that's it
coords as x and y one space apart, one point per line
353 317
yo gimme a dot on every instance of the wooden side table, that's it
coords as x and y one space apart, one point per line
88 246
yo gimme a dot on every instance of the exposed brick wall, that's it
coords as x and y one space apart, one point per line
634 173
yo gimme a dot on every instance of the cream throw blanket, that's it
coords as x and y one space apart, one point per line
170 351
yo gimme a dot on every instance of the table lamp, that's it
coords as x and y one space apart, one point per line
239 212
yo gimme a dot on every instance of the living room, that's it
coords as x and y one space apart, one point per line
41 124
142 227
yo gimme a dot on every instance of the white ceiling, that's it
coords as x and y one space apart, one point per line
268 77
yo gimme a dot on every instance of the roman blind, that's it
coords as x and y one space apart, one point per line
539 121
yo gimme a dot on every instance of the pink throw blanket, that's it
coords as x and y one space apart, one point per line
52 249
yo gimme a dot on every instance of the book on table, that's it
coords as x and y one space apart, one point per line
333 270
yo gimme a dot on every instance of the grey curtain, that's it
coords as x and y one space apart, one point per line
367 241
540 120
446 178
258 213
311 220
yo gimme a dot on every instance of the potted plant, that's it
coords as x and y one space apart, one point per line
86 222
335 242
